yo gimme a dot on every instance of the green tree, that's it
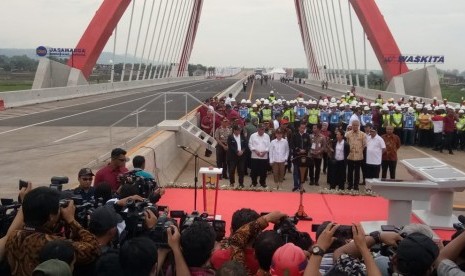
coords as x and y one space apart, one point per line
23 63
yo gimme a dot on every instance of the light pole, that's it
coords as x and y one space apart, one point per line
112 70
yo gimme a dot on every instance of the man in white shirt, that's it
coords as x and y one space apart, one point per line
259 145
375 149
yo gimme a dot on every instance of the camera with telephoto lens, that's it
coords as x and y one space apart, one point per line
219 226
287 229
144 186
8 211
57 182
134 216
159 233
83 208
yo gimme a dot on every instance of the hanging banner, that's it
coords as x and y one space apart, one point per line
42 51
430 59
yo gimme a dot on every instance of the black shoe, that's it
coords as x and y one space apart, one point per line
450 152
231 185
253 185
264 186
241 186
317 184
295 189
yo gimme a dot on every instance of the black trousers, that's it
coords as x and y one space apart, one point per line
221 160
337 174
372 171
391 165
448 141
258 169
314 170
236 162
353 173
437 144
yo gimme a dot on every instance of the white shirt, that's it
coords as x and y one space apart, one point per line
227 101
279 150
339 154
375 148
260 144
438 126
238 141
275 124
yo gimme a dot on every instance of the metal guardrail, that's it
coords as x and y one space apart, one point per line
235 89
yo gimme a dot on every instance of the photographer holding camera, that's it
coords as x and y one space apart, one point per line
17 222
42 214
246 225
138 163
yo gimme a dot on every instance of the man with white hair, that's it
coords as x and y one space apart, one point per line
357 142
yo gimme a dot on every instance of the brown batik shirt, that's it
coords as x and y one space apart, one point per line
23 248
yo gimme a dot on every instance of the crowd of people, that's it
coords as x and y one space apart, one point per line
47 238
348 138
110 224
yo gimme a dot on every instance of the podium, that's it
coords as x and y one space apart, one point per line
400 195
210 184
437 211
430 196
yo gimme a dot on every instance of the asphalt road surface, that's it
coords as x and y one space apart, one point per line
54 139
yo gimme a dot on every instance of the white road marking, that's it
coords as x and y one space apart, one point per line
81 113
168 101
136 112
72 135
421 151
77 104
299 91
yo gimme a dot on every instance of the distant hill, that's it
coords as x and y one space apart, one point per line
104 58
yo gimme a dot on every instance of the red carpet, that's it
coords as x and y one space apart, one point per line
321 207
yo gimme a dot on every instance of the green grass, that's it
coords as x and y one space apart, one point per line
452 93
14 85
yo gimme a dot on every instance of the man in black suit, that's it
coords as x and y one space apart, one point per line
300 145
237 145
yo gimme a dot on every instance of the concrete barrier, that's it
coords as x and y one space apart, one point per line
163 157
35 96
